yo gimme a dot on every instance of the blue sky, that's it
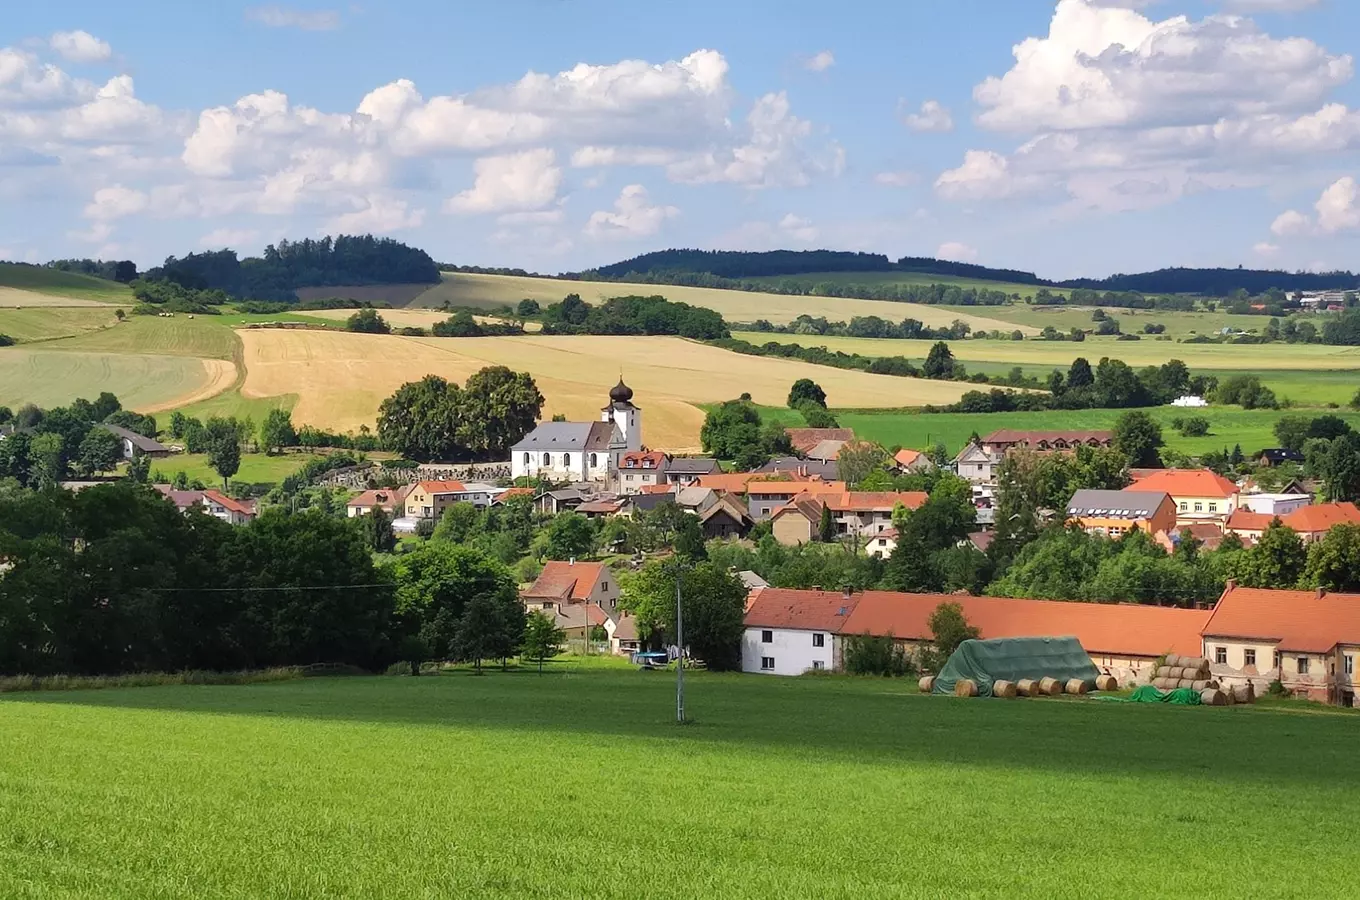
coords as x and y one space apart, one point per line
1067 137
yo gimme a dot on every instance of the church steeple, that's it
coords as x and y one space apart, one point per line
625 416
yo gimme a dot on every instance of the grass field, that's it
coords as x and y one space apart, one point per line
45 323
55 283
1178 324
906 278
495 291
203 336
577 784
256 468
142 382
340 378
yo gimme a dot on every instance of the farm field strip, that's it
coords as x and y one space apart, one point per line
68 286
812 279
402 318
143 382
340 378
494 291
16 298
436 786
1178 324
50 322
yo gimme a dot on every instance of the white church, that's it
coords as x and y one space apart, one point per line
581 451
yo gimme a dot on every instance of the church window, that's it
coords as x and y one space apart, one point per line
566 459
547 459
594 461
526 459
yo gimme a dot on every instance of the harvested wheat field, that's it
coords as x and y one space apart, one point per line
342 377
493 291
408 318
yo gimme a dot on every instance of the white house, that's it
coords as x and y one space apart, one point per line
1275 504
784 637
137 445
581 451
977 464
1192 401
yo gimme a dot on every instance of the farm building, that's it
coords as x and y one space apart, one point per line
135 445
856 514
1005 440
805 439
1122 640
764 498
1306 640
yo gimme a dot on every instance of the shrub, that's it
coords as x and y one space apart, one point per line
870 655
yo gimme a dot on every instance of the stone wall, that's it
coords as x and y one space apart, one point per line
357 478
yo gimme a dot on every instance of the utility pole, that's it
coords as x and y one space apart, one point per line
680 644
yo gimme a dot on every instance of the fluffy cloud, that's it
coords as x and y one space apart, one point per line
1265 248
633 216
798 228
287 17
984 175
1338 209
820 62
80 47
956 251
116 202
773 154
932 117
1290 222
510 183
376 214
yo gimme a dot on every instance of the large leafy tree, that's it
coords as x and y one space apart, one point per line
100 451
924 533
569 536
1277 560
542 638
276 431
222 438
498 408
939 362
1334 562
805 390
436 419
435 583
1138 436
713 606
420 421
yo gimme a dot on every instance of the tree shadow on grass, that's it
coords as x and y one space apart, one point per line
864 720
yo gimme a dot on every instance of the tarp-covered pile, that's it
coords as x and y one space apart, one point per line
1013 660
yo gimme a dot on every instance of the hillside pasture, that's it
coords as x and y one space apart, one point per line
879 279
142 382
340 378
47 323
391 294
1131 321
70 287
809 787
201 336
497 291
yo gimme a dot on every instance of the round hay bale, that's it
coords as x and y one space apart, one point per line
965 687
926 684
1212 698
1195 666
1176 673
1076 686
1172 659
1228 698
1107 683
1201 686
1004 689
1242 693
1161 684
1027 687
1050 687
1187 683
1162 672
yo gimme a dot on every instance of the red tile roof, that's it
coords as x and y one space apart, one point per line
804 439
657 489
441 487
652 461
566 581
386 498
1107 629
1310 519
1012 436
515 492
875 501
1302 621
600 506
1187 483
906 457
1246 520
245 508
791 488
801 610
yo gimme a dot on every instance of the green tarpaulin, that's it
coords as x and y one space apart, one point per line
1148 694
1011 659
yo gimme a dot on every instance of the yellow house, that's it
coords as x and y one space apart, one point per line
1199 495
429 499
1116 513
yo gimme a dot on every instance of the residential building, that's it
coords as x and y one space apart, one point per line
183 500
565 583
136 445
550 503
792 632
1200 495
763 498
826 451
912 461
480 495
686 471
1116 513
511 493
1306 640
623 639
600 507
882 544
634 505
859 514
826 470
390 500
1123 640
977 464
1004 440
725 518
1275 504
804 439
228 509
1208 536
1276 456
1311 522
429 499
638 470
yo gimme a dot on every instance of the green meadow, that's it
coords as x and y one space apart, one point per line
578 783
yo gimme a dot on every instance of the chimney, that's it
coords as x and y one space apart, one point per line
816 587
571 561
848 593
1321 592
1230 585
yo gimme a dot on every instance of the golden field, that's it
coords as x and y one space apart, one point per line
406 318
340 378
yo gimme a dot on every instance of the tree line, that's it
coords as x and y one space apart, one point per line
632 315
48 446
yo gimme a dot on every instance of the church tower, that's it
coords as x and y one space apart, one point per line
625 416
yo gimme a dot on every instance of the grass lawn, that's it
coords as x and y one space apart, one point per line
256 468
577 783
54 282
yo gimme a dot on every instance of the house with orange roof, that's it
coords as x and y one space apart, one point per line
429 499
1311 522
859 514
911 461
1123 640
228 509
1306 640
792 632
1199 494
638 470
566 583
763 498
390 500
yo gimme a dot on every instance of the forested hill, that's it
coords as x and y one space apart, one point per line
289 265
1217 282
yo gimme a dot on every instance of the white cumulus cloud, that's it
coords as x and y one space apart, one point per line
956 251
511 183
633 216
115 202
80 47
1338 209
820 62
1290 222
932 117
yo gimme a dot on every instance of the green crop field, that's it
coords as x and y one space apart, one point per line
142 382
1178 324
47 323
877 279
578 784
202 336
256 468
56 283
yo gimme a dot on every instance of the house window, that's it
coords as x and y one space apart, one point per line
767 637
604 585
819 640
547 459
1248 657
818 664
1277 659
1303 665
566 459
1221 655
1199 507
1349 664
594 461
629 476
1184 506
767 663
1213 507
526 459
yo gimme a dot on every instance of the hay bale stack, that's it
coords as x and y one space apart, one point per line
1243 693
1050 687
1201 686
1076 686
965 687
1189 683
1162 672
1228 698
1107 683
1194 668
926 684
1004 689
1172 659
1212 698
1027 687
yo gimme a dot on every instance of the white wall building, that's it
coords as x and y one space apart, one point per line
790 639
581 451
1275 504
